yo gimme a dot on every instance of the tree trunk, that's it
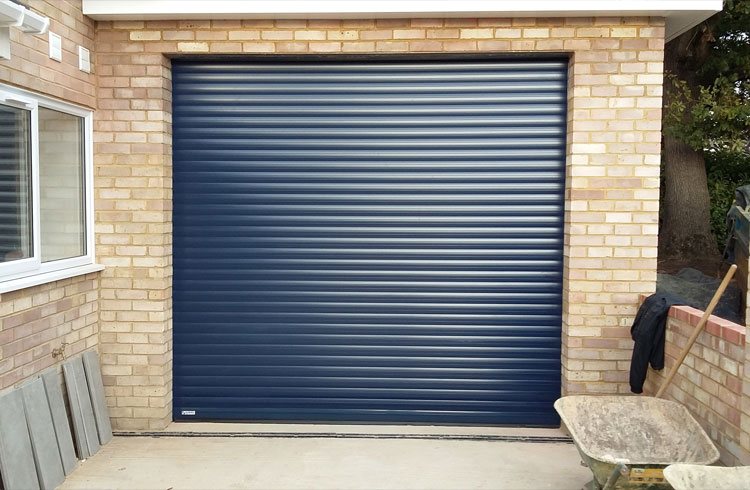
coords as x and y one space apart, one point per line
685 231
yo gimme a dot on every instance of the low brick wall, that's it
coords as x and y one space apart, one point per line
709 383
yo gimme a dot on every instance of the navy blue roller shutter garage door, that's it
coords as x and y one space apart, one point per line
368 241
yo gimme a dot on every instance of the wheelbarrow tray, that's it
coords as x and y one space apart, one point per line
697 477
646 434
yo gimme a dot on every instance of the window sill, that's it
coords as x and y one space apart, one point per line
47 277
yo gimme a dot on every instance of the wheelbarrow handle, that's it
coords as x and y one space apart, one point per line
698 329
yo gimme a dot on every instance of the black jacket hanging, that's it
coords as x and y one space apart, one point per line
648 331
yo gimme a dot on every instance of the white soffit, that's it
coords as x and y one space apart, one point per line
681 15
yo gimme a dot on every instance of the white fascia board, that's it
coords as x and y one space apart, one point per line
11 14
680 14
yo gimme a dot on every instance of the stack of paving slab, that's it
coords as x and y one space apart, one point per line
37 448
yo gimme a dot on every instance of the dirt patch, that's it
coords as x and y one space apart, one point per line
694 288
710 266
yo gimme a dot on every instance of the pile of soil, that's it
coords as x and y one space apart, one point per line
696 289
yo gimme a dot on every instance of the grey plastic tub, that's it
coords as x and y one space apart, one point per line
697 477
627 441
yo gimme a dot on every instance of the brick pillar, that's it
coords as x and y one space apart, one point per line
133 224
612 198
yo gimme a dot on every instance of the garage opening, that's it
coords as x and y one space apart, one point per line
368 240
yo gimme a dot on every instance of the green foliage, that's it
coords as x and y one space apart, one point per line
713 118
710 110
730 50
725 173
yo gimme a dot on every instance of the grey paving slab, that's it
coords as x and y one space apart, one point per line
42 433
98 401
16 456
84 425
59 413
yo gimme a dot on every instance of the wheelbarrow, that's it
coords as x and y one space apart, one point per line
627 441
696 477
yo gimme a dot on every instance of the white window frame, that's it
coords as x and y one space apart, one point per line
29 265
23 273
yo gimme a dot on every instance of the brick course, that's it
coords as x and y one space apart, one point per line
612 187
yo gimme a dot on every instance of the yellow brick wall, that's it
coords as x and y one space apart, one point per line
612 187
36 320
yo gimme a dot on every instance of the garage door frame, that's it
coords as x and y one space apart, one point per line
376 58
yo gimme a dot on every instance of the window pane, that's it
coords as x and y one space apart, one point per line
61 185
15 184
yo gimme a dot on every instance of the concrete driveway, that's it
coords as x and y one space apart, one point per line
330 461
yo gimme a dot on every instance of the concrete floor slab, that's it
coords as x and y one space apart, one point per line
328 463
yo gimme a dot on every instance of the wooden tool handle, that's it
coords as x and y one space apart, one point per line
698 329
